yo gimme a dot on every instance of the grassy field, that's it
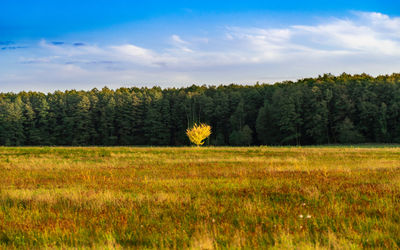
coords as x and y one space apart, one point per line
200 198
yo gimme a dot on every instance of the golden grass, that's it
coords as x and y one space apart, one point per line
200 198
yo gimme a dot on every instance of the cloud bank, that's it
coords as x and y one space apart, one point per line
362 42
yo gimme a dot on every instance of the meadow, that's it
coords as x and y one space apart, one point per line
200 198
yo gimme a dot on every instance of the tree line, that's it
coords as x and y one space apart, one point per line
324 110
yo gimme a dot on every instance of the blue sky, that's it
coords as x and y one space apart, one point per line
51 45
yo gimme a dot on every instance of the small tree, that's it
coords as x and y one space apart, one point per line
198 133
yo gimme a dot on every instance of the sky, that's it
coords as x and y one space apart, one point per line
57 45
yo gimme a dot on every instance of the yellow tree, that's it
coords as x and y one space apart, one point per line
198 133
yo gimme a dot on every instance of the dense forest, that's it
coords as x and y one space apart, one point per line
324 110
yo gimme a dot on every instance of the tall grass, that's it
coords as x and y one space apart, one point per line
200 198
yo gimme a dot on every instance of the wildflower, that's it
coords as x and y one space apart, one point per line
213 220
308 216
301 216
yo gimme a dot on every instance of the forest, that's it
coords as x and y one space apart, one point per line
330 109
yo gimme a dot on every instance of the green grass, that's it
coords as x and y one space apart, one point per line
200 198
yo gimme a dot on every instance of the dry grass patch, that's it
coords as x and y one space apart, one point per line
200 198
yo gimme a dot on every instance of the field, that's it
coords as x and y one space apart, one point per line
200 198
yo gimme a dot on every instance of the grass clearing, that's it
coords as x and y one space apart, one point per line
200 198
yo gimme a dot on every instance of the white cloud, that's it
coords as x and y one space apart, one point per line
180 44
133 53
178 40
350 36
363 42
